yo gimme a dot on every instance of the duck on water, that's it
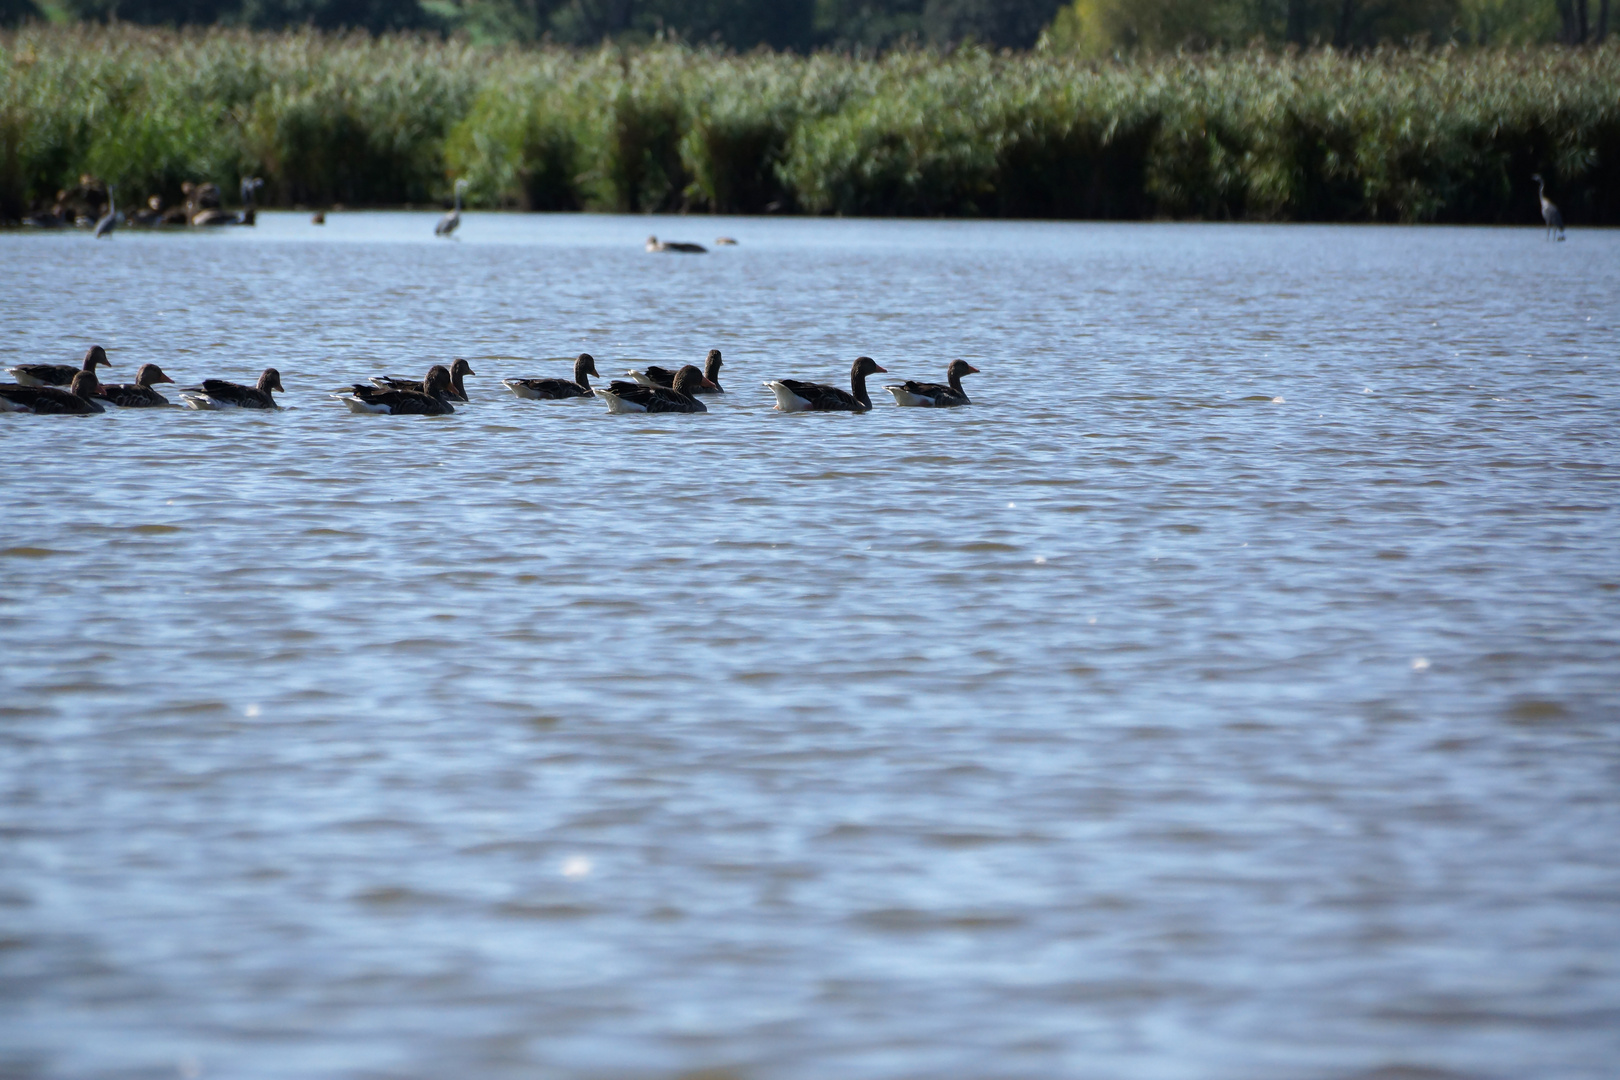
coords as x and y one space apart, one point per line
557 389
459 370
59 374
630 397
139 394
80 400
433 399
795 396
660 376
676 246
219 394
935 395
209 216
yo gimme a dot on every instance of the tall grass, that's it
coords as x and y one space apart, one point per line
1385 136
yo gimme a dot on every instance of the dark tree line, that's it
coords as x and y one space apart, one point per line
1577 26
801 25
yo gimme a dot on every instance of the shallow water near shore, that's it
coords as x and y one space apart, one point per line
1231 691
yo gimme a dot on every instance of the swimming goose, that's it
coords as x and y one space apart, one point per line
629 397
433 400
59 374
932 394
79 401
458 390
660 376
557 389
795 396
138 394
655 244
219 394
151 217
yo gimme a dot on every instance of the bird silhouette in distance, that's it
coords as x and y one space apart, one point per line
109 220
448 223
1549 210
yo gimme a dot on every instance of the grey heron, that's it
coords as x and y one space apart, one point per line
448 223
251 185
109 220
1549 211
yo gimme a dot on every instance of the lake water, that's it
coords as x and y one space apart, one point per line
1233 691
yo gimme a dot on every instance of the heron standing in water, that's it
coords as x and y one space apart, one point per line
109 220
251 186
448 223
1549 212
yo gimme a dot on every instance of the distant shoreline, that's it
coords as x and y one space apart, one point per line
1442 136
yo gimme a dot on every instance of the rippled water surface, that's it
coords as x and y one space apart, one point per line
1231 692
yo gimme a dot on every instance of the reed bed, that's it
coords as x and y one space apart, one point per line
1449 135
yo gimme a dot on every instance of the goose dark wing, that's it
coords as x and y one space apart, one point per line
44 374
133 396
824 398
669 400
404 402
243 397
552 389
48 400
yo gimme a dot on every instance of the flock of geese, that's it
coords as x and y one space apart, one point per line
39 389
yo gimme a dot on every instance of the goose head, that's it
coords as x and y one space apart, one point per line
864 366
86 385
95 356
585 367
689 380
462 368
149 375
437 383
960 368
270 380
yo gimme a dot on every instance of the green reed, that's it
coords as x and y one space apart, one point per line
1385 136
